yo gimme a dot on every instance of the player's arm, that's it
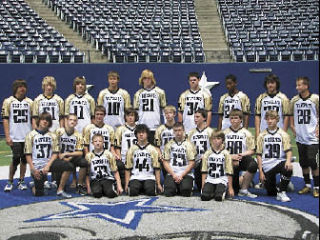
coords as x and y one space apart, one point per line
286 121
257 122
259 152
166 165
188 168
34 122
292 125
246 120
204 177
69 155
287 149
230 187
7 131
219 122
46 169
157 175
127 176
118 180
209 118
180 117
34 172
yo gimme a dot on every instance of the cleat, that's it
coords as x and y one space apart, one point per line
63 194
282 196
305 190
82 190
22 185
47 185
315 192
53 184
8 187
246 193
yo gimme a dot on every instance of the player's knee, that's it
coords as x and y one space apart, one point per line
110 193
253 167
185 191
97 194
170 191
205 196
133 190
314 165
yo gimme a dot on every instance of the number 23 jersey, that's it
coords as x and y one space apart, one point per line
272 146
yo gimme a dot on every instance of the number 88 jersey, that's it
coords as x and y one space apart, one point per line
272 146
217 166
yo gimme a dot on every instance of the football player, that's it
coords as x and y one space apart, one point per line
71 149
179 156
216 170
16 115
241 145
272 99
305 126
49 102
274 156
142 166
98 127
104 174
115 100
200 137
124 139
149 102
80 103
234 99
41 151
193 99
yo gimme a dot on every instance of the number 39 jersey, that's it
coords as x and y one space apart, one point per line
102 166
41 146
69 143
53 105
18 114
266 102
179 155
306 118
124 139
149 104
142 161
272 146
115 103
238 141
190 102
82 106
217 166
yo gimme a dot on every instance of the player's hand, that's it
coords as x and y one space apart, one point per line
126 188
160 188
46 169
9 141
236 157
262 178
288 166
179 179
36 174
119 189
231 192
117 157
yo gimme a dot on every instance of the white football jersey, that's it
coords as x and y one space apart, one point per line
124 139
238 141
163 135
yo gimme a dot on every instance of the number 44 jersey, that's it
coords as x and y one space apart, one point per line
272 146
18 114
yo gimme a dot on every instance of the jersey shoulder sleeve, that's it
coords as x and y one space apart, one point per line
154 156
167 150
86 133
111 160
29 142
118 136
129 157
136 98
286 140
204 166
260 140
228 162
60 102
67 104
285 104
259 103
221 103
250 141
59 132
245 102
182 100
5 112
126 97
55 145
191 150
162 96
101 95
207 100
80 141
157 135
190 133
89 156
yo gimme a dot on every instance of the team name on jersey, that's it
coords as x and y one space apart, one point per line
48 104
20 105
149 95
271 102
114 98
272 139
303 105
231 100
194 98
79 102
43 140
99 161
141 154
234 137
68 140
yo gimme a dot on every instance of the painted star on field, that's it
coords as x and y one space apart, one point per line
127 213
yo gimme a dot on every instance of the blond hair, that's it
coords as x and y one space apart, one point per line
218 134
49 80
77 81
147 74
170 108
114 74
272 114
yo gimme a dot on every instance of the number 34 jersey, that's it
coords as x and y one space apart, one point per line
217 166
272 146
41 146
19 115
306 118
142 161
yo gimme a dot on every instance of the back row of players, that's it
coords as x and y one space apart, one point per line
115 120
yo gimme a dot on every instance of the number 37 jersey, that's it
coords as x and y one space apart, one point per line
19 115
272 146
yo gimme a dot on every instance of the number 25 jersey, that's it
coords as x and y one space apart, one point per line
19 115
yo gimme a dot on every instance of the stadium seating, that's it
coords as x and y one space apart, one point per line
271 30
136 30
27 38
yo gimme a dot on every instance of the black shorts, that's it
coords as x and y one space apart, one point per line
18 156
79 162
308 155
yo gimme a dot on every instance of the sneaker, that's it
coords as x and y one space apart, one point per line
8 187
22 185
82 190
53 184
47 185
259 186
315 192
282 196
63 194
31 184
246 193
305 190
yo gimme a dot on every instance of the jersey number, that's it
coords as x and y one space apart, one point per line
193 106
113 108
304 116
268 108
273 151
202 147
43 150
80 112
234 147
142 166
20 115
227 110
51 111
148 105
216 170
179 160
66 148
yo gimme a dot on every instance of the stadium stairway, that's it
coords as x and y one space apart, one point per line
93 56
214 43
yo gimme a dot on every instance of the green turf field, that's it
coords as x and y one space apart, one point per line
5 152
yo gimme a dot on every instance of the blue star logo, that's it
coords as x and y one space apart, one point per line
127 213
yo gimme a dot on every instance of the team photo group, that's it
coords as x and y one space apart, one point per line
115 145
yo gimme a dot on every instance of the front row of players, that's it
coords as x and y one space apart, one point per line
218 157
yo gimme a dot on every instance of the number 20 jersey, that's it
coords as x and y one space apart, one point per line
217 166
19 115
272 146
306 118
41 146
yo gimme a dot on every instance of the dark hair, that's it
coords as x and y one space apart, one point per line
203 113
141 128
178 124
236 112
306 80
77 81
45 116
194 74
272 78
18 83
100 108
219 134
131 111
232 77
72 114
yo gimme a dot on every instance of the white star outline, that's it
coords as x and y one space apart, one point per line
205 85
131 217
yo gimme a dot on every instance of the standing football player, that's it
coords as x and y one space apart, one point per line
272 99
16 115
305 126
191 100
115 100
234 99
149 102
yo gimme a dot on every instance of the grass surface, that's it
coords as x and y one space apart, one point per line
5 151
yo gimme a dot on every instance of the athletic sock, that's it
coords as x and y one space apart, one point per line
316 181
307 180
